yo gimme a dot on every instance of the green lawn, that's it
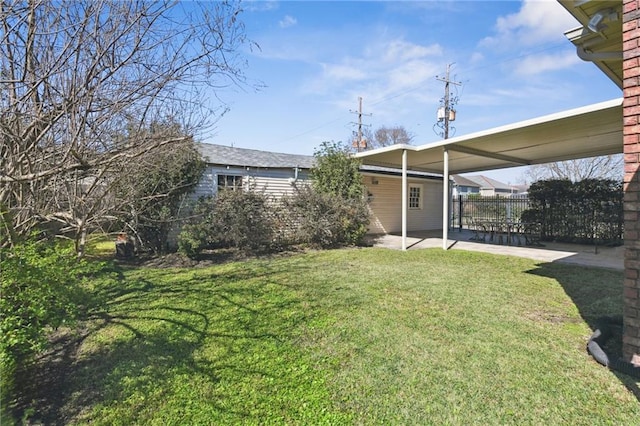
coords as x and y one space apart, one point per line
359 336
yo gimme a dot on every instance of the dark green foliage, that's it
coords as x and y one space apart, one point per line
337 172
330 213
233 219
589 211
327 220
334 211
154 191
41 290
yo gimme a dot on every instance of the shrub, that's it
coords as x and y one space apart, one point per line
586 211
327 220
333 211
40 291
337 172
232 219
329 213
153 189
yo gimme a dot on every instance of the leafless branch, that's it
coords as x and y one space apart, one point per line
81 80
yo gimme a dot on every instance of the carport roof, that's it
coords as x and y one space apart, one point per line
583 132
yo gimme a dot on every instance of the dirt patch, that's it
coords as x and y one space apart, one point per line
42 384
205 259
550 317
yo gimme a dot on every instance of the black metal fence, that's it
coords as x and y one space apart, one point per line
467 208
600 224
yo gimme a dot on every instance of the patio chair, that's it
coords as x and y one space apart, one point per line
477 226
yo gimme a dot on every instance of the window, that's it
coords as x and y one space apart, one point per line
415 197
229 182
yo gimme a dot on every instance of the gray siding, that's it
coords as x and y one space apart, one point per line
275 182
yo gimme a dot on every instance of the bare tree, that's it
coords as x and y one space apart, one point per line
80 80
603 167
150 193
386 136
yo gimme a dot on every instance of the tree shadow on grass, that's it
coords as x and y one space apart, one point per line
143 336
605 298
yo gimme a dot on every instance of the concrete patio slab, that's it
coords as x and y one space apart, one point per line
585 255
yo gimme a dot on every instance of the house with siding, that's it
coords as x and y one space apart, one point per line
490 187
274 173
463 186
278 174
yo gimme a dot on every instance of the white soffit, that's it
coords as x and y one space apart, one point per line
588 131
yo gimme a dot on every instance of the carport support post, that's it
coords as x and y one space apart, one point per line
404 199
445 200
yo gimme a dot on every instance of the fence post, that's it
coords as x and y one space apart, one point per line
460 210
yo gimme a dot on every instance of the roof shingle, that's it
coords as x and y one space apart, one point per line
243 157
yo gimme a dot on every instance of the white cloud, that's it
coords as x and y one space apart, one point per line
536 22
476 57
288 21
531 41
390 66
393 76
399 51
537 64
342 72
261 5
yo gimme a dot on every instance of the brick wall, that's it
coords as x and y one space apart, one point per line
631 113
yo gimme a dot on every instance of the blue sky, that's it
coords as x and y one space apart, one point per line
317 57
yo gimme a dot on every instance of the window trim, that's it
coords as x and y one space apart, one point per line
238 182
410 199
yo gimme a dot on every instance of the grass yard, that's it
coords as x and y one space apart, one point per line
358 336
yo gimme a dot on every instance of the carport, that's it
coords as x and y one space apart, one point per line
584 132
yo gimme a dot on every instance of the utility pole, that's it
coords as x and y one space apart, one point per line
446 112
359 143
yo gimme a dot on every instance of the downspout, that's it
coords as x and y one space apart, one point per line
404 200
589 56
294 179
445 200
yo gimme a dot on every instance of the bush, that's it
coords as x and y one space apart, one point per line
153 189
337 172
333 211
327 220
233 219
329 213
40 291
588 211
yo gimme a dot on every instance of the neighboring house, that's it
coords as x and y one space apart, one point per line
277 174
464 186
229 168
240 168
492 187
522 189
